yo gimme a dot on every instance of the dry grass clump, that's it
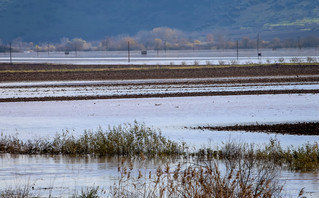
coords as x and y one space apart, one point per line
19 191
16 193
27 192
128 139
245 179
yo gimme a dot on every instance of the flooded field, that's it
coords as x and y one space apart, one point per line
148 88
65 176
171 115
169 57
179 107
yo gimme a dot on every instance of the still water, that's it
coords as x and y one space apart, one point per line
58 176
170 57
63 176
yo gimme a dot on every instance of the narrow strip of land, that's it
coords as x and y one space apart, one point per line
301 128
157 95
56 72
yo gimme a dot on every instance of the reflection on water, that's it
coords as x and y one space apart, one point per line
63 176
202 57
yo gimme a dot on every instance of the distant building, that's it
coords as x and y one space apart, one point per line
144 52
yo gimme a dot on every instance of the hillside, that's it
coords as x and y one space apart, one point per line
47 20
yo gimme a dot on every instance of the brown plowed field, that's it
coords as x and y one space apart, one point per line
51 72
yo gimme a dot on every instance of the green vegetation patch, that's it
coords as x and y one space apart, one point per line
299 22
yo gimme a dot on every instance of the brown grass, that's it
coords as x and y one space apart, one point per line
246 179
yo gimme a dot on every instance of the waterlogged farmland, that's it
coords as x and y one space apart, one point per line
171 115
147 88
169 57
187 110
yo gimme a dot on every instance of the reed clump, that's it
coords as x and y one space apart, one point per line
19 191
245 179
302 158
136 140
127 139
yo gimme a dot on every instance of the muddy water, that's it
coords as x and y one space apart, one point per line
171 115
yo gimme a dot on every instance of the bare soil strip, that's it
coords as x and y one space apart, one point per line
184 82
56 72
301 128
182 94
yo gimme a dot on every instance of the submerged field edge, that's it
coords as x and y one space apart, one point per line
299 128
164 95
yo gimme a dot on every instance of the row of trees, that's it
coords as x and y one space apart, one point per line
161 38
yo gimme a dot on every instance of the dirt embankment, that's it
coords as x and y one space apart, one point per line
301 128
52 72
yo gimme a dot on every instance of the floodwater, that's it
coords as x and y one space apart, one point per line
171 115
139 87
169 57
63 176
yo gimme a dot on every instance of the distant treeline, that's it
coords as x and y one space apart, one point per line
161 38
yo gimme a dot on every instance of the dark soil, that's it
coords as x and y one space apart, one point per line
182 94
48 72
301 128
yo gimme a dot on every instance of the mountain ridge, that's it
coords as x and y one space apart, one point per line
47 20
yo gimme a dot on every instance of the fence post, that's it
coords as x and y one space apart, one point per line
10 54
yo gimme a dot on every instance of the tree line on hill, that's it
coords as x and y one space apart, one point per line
161 38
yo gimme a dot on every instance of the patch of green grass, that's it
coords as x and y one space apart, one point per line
299 22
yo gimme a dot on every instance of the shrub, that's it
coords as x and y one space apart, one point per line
221 62
311 59
281 60
295 60
233 62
